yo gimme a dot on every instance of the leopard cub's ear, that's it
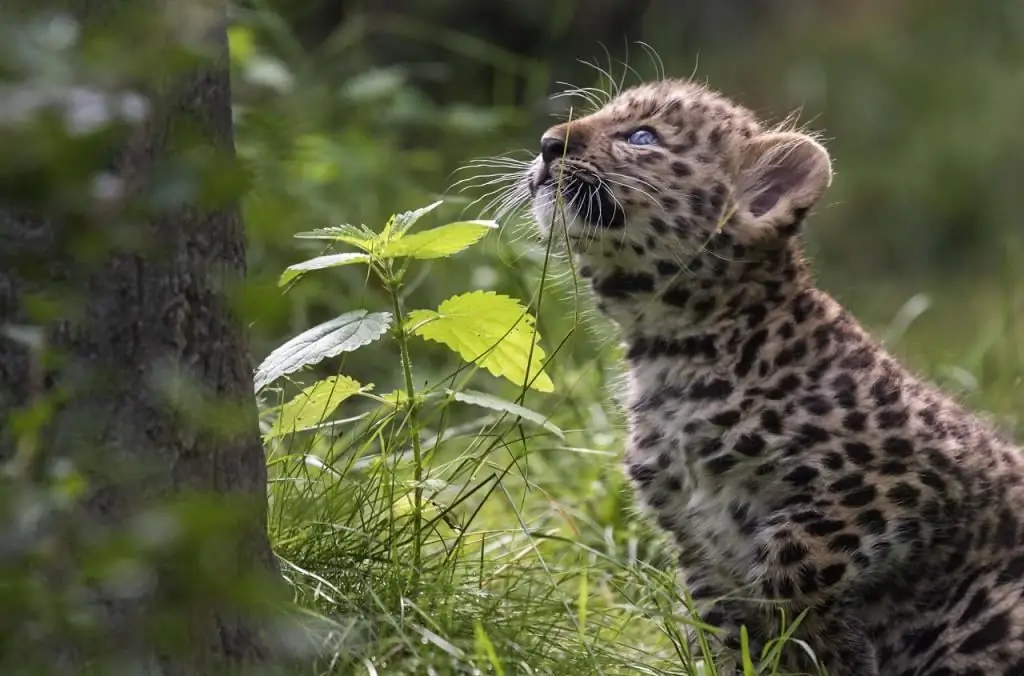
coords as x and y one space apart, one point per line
781 176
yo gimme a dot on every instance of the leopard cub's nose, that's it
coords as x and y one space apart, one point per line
552 147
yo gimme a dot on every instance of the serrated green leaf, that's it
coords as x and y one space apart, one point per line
315 404
494 403
401 222
359 237
319 263
345 333
488 329
437 242
396 227
393 242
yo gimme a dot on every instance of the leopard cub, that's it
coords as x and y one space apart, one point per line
796 464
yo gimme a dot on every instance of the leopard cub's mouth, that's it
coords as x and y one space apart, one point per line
576 192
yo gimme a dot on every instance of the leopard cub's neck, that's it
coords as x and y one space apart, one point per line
701 309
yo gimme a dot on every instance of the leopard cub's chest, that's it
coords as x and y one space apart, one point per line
670 459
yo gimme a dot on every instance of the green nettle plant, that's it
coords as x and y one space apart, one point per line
484 328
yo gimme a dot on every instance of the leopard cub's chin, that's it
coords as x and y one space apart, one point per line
543 211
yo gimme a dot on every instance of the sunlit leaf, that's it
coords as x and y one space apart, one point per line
315 404
494 403
437 242
393 242
405 220
346 333
360 237
395 228
319 263
488 329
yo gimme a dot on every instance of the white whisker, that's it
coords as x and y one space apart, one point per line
484 180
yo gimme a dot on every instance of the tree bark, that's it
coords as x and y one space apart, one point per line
163 563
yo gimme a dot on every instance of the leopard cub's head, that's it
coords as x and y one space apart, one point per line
665 169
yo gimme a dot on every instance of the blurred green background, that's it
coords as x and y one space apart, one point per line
532 559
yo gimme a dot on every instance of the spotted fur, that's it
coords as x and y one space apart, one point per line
792 459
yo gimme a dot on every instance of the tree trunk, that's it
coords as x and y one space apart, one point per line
138 381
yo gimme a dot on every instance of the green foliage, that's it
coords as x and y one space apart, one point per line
321 262
314 404
408 501
394 240
439 242
344 333
489 329
498 404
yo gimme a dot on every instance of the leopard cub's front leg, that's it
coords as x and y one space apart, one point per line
720 606
718 610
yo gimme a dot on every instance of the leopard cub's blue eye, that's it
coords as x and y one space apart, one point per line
642 137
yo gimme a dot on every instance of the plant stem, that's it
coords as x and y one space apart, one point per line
417 451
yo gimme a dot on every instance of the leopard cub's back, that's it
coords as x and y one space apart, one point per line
790 457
